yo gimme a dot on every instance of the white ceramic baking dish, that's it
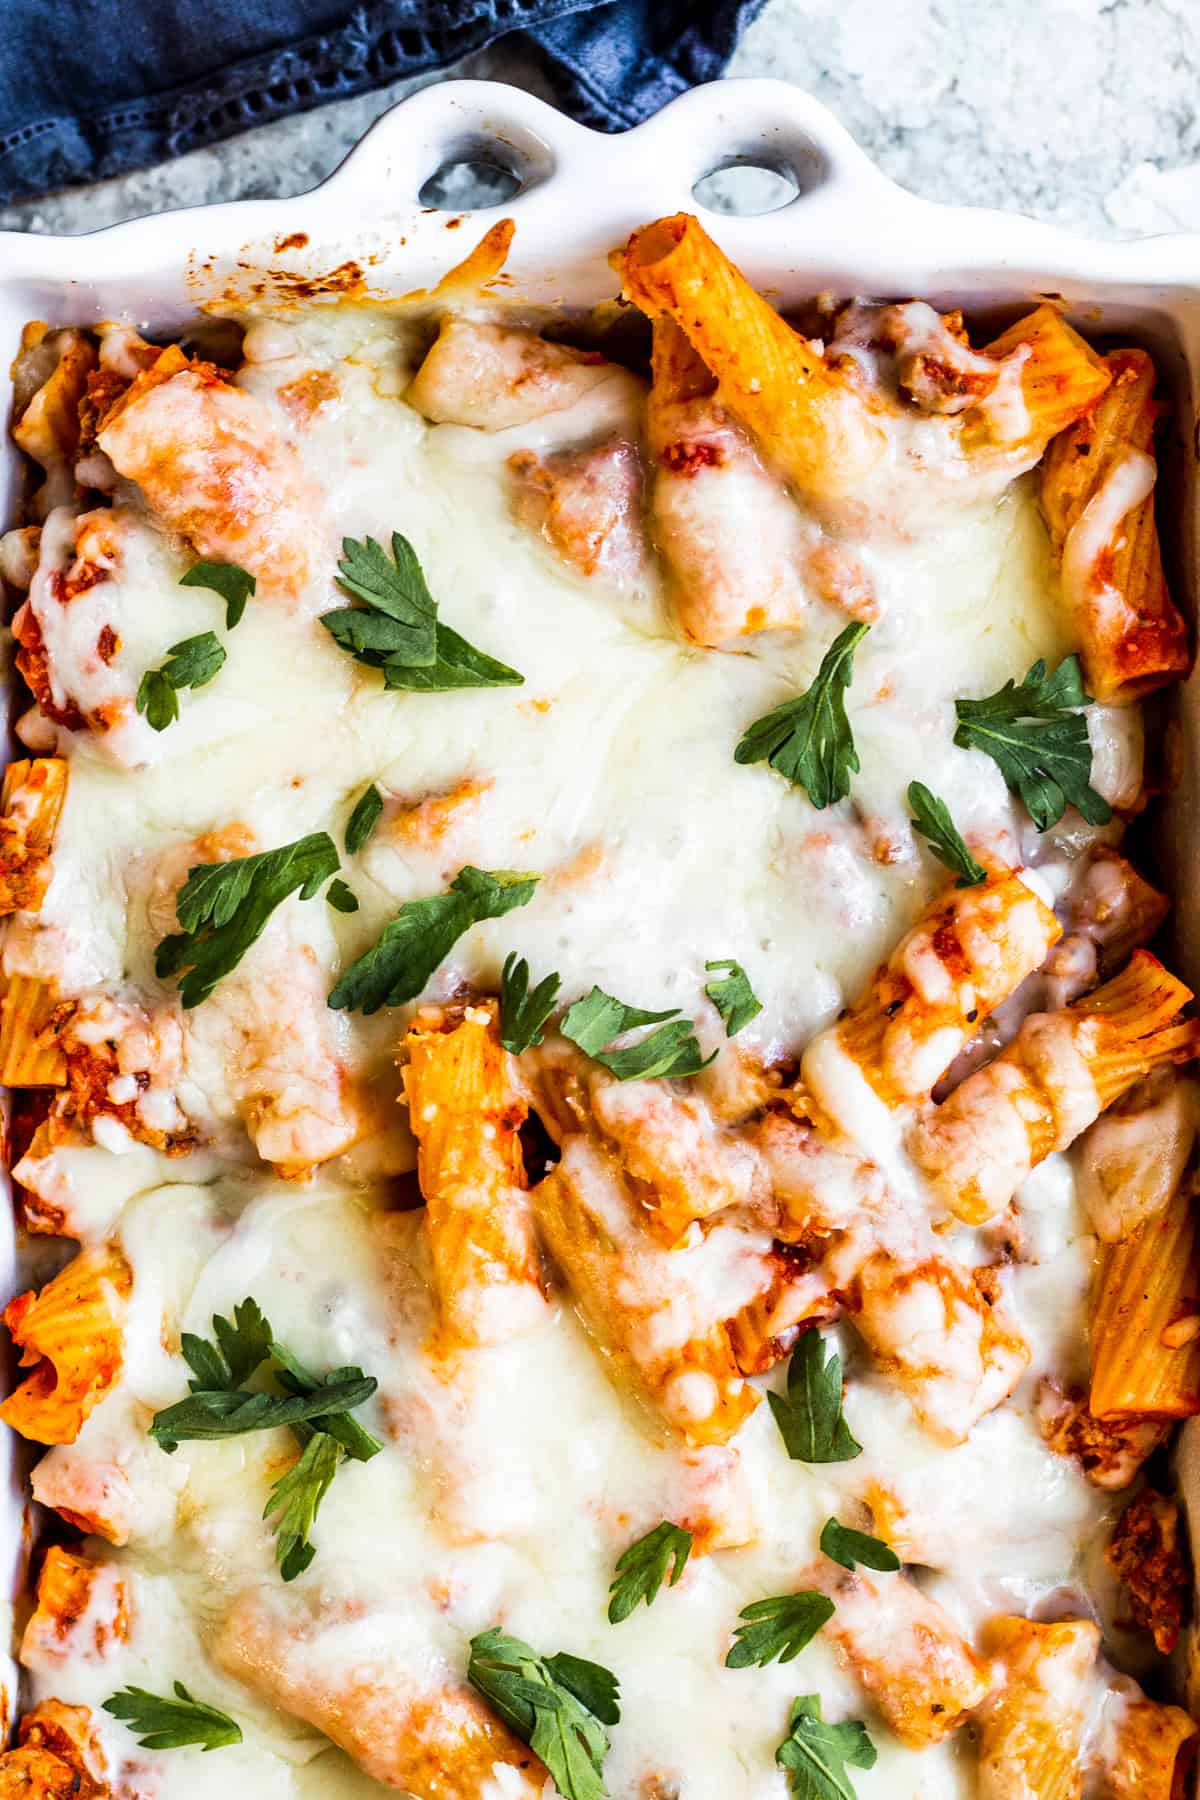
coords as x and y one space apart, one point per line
849 230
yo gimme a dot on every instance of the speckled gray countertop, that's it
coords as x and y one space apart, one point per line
1082 112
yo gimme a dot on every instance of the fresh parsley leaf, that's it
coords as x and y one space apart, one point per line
392 590
209 1369
672 1050
850 1548
809 1415
168 1724
457 664
363 819
190 664
931 817
220 1413
294 1378
815 1754
219 1406
295 1499
523 1014
241 1347
642 1569
732 996
234 585
422 935
591 1683
553 1705
780 1627
215 893
195 661
598 1018
370 637
157 699
808 739
343 899
1038 741
397 629
224 907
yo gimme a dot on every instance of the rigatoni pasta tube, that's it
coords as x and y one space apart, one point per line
669 1141
708 478
90 1490
968 952
814 422
31 1054
906 1651
1145 1317
57 1756
937 1331
1145 1753
47 425
1059 1073
82 1611
1060 376
70 1337
1130 1162
1031 1729
466 1110
210 462
410 1727
30 807
650 1307
1097 495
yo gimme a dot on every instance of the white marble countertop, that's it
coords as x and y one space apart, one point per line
1082 112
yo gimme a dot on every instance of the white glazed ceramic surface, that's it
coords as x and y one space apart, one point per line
849 230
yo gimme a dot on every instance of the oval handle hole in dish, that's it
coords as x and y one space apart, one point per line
468 183
745 188
762 175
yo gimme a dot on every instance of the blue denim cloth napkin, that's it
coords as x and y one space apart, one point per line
90 88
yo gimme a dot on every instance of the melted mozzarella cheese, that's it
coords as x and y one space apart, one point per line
509 1493
509 1486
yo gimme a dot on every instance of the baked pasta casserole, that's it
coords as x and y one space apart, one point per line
609 1170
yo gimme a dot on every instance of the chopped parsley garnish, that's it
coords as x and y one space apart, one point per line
809 1415
931 817
190 664
223 908
169 1724
842 1545
559 1705
1038 741
642 1569
808 739
208 1414
343 899
363 819
816 1755
234 585
524 1011
422 935
597 1019
317 1409
458 665
396 628
242 1345
295 1499
778 1628
395 588
294 1378
732 996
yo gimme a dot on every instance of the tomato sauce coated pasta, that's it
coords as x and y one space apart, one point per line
587 1021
